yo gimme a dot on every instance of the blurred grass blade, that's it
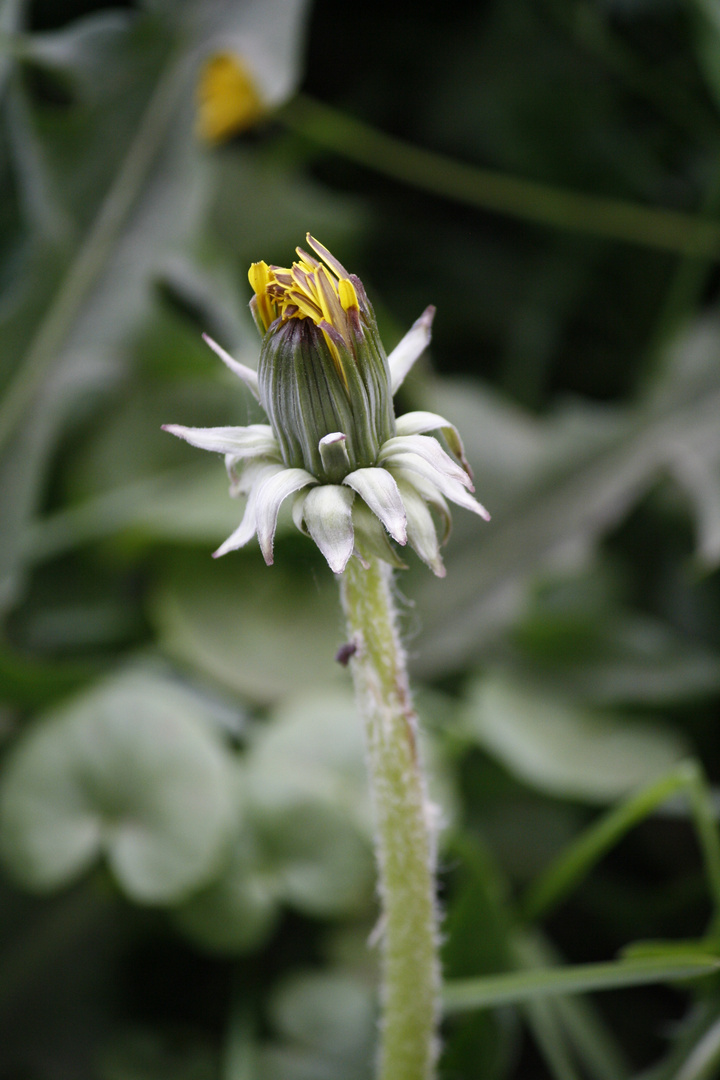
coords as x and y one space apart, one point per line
517 988
683 1053
592 1043
239 1050
486 189
578 859
703 1062
551 1040
577 1016
9 21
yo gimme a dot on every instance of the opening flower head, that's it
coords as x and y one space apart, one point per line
322 366
359 477
322 291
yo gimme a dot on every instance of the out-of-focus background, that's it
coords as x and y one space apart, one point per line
186 872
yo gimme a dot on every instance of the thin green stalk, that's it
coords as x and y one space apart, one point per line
404 828
514 987
599 1055
238 1057
488 189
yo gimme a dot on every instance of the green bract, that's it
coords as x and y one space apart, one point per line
357 474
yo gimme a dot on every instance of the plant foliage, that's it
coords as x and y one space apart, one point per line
186 882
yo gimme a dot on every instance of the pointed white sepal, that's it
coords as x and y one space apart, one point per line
427 491
327 511
271 493
297 512
407 351
378 489
415 423
252 441
421 529
248 376
371 539
447 485
243 479
429 450
248 526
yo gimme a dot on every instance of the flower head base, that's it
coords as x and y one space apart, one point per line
359 477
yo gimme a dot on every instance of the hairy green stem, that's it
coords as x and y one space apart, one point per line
404 828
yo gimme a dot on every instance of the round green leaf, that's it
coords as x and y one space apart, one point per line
132 770
312 748
308 789
332 1012
323 865
237 910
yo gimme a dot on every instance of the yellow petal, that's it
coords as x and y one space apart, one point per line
348 296
259 278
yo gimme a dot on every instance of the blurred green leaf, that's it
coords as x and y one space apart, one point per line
308 791
564 749
322 866
296 1063
332 1014
139 1054
302 828
186 505
236 912
576 476
313 747
133 770
109 206
251 645
577 639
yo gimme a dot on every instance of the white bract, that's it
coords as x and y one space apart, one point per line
358 476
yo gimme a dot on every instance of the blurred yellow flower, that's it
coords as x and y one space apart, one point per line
227 97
